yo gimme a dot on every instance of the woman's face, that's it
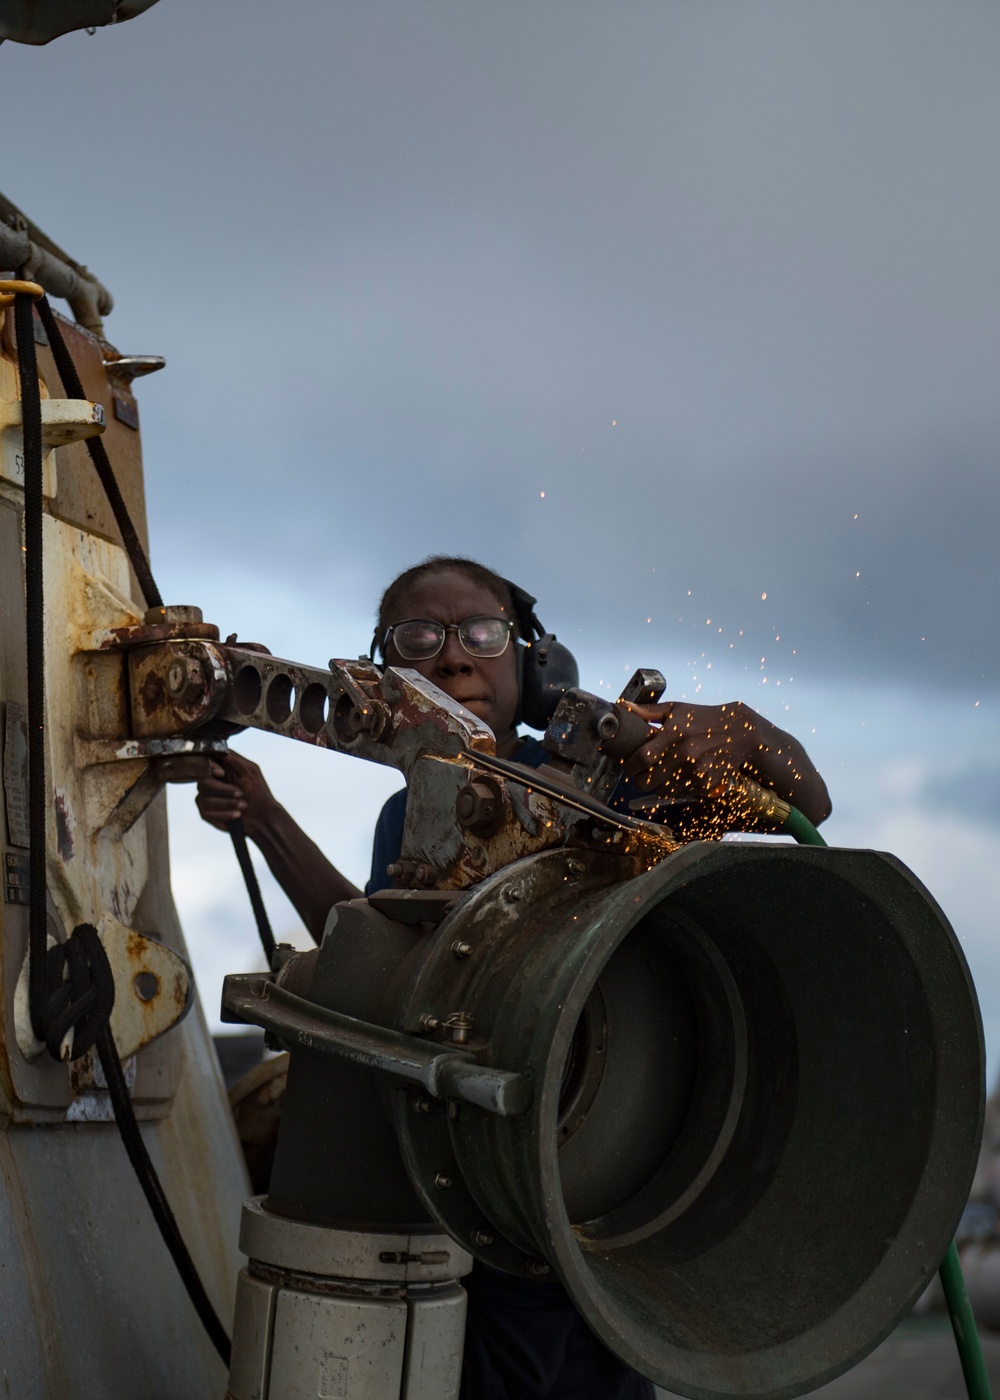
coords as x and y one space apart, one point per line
486 685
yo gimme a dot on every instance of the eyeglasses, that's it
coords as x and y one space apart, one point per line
419 639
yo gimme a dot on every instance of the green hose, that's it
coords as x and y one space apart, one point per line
963 1324
956 1295
802 829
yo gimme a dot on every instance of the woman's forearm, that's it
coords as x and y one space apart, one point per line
309 880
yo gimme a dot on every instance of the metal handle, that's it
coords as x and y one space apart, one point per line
444 1073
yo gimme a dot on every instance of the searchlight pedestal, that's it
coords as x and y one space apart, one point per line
733 1102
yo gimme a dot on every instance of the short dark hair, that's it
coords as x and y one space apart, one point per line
443 564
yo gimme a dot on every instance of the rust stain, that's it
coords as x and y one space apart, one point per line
153 992
114 637
153 693
64 827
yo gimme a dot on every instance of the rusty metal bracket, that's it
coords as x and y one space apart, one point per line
91 753
154 990
184 685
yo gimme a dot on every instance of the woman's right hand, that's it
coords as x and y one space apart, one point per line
235 789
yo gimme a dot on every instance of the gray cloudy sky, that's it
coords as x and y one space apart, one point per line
720 279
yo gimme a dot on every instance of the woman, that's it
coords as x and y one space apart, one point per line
453 621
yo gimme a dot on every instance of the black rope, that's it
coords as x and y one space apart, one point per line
31 421
99 457
135 1147
239 836
71 987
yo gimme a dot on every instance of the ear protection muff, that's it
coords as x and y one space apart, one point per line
545 668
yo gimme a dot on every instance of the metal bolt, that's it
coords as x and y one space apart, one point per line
173 613
574 866
482 1237
479 807
538 1267
607 725
442 1182
185 679
283 954
458 1026
356 714
460 949
424 1106
513 893
429 1022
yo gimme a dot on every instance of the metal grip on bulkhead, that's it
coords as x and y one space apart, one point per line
757 1090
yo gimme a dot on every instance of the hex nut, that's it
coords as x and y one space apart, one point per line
607 725
479 806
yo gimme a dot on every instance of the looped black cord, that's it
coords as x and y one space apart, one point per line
239 836
83 1000
99 457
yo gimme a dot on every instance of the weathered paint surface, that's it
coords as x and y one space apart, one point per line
87 578
90 1302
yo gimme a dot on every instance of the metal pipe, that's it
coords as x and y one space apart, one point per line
87 298
24 245
444 1073
15 247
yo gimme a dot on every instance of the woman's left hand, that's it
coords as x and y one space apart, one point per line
696 747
